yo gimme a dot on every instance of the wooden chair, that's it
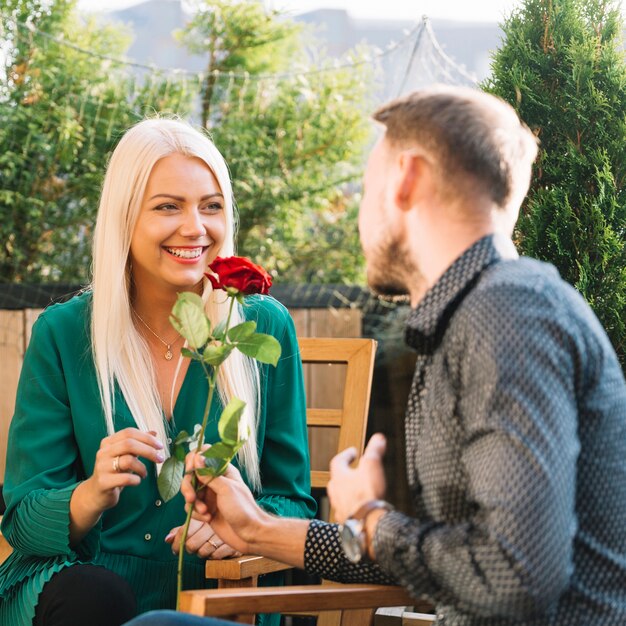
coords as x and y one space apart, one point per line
357 355
354 604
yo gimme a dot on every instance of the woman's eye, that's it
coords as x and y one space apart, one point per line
166 207
213 207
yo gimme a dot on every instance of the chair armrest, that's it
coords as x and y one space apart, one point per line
328 597
246 566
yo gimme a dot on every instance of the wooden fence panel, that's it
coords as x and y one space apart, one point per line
30 316
11 357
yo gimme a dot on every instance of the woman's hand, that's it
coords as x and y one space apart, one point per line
117 464
201 540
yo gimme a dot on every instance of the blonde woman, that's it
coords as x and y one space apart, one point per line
103 389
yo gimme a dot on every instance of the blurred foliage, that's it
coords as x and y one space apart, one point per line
61 112
562 67
291 124
293 127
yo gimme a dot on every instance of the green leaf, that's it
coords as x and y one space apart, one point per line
215 355
219 450
189 319
214 467
264 348
179 452
242 331
228 425
191 354
182 437
170 478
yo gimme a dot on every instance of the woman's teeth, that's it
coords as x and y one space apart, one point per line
185 253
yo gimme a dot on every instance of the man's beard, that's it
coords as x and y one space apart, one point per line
390 270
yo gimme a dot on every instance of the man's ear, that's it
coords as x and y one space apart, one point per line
413 173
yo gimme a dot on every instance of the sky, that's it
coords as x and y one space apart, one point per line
481 10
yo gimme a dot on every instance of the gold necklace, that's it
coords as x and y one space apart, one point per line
168 352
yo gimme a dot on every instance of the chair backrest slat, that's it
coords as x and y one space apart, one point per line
351 419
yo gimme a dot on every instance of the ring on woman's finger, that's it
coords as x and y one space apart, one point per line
116 464
213 542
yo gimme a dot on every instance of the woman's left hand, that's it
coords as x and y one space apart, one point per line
201 540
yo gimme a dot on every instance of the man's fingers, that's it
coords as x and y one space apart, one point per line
200 511
219 484
375 449
342 460
193 460
233 473
186 488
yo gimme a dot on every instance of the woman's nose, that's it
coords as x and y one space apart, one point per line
192 225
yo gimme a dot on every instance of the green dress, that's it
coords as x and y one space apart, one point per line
57 428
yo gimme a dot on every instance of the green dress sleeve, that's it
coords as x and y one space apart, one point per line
43 465
282 431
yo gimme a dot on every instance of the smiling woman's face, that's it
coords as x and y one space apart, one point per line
181 226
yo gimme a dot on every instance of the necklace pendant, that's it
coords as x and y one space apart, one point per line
168 354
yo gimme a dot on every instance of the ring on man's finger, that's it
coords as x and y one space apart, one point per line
116 464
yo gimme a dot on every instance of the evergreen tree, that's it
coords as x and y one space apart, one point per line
562 67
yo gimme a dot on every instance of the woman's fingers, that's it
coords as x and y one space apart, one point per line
215 548
140 435
118 465
169 538
128 464
119 454
133 447
223 552
199 538
175 535
133 434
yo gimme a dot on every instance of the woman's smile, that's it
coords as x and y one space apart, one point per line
186 254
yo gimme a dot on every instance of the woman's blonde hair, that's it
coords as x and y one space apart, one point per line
121 355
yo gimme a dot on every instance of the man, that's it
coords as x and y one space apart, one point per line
515 427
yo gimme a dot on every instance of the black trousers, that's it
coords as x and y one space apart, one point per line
85 595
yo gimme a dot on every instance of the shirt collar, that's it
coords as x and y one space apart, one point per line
427 321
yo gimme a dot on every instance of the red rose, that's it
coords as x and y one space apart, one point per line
240 273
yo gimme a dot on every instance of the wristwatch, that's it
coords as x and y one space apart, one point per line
352 531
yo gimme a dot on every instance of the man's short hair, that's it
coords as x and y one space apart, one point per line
475 138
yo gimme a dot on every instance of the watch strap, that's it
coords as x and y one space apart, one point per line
365 509
355 544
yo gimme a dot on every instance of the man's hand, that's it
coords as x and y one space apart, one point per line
226 503
349 488
229 506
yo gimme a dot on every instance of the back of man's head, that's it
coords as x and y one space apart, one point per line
477 142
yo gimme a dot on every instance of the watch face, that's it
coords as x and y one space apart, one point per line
351 540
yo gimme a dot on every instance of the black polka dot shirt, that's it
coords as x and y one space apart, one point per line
516 455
